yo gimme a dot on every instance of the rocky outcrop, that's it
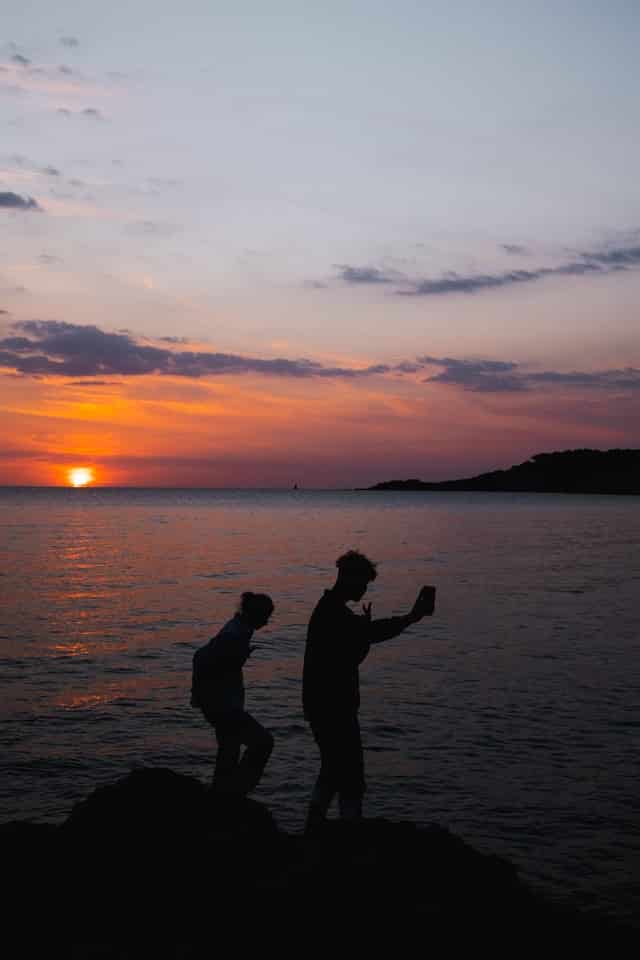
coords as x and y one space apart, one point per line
568 471
153 865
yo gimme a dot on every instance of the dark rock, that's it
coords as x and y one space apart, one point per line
144 804
156 865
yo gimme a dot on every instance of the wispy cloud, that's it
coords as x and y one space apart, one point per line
89 112
585 263
13 201
498 376
483 376
623 257
57 349
365 275
94 383
472 283
54 348
69 86
69 41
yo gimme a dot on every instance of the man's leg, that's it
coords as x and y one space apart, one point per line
325 787
351 784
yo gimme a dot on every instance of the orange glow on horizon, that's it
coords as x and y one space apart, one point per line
154 431
80 476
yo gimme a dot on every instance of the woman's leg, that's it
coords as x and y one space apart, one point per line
227 760
259 745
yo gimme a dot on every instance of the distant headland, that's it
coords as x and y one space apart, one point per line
567 471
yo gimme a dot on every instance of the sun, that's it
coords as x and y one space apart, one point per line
80 476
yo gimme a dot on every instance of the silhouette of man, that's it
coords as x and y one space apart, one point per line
218 690
338 640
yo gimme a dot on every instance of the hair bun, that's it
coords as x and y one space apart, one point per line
256 603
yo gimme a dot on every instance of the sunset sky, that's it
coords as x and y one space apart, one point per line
256 244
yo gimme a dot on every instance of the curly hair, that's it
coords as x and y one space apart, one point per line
355 564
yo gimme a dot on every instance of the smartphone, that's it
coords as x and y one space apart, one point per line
428 597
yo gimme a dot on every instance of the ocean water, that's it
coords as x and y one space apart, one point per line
511 716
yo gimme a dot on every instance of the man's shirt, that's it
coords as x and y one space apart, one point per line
337 642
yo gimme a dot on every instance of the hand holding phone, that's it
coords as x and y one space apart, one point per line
425 603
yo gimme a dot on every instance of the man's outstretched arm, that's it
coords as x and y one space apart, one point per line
386 629
390 627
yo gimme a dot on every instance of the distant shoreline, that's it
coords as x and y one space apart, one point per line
597 472
611 472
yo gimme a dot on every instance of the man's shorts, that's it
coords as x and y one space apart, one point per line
342 761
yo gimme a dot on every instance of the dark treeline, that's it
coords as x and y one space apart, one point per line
567 471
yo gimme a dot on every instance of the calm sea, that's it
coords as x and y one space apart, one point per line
511 717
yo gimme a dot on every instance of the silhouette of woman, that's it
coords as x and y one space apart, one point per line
218 690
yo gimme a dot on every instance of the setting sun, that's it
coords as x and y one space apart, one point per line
80 476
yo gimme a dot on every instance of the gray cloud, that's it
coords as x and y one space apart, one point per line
516 249
457 283
38 348
356 275
627 378
617 257
51 171
472 283
92 112
19 59
94 383
498 376
54 348
69 41
63 68
586 263
481 376
408 366
13 201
